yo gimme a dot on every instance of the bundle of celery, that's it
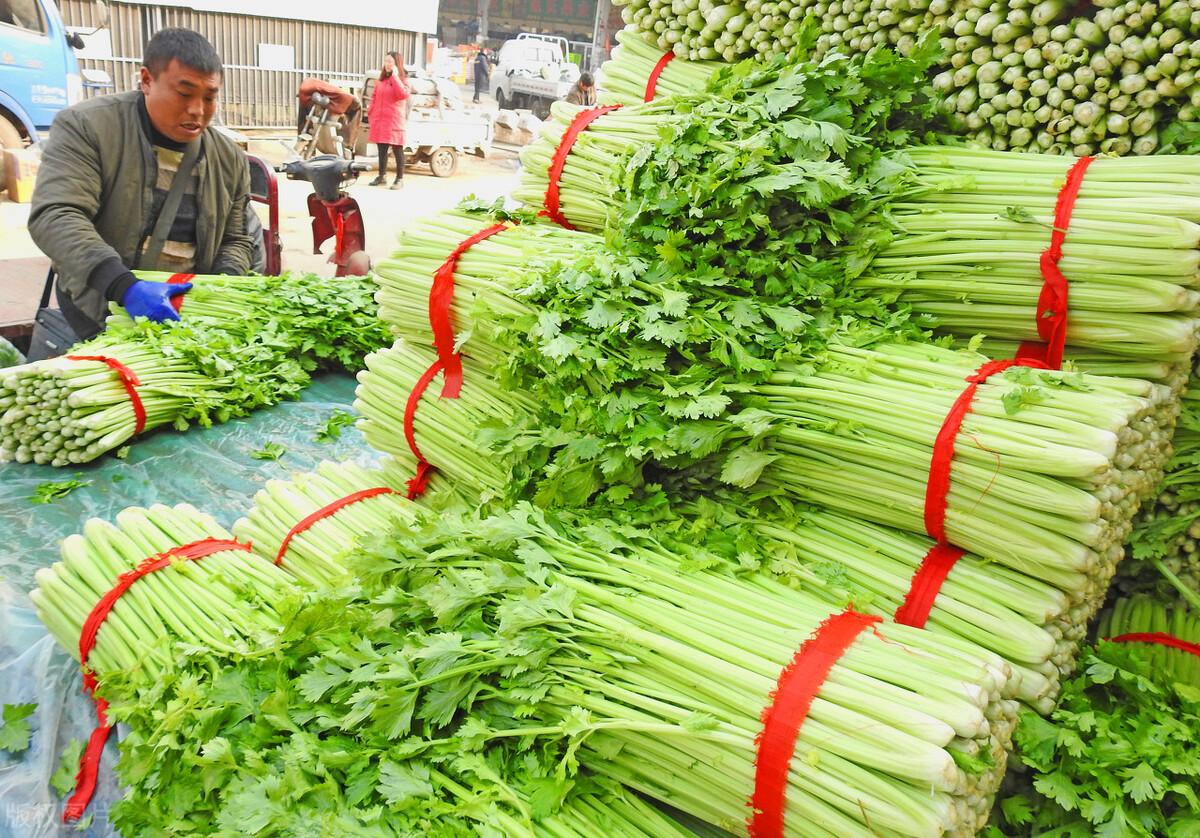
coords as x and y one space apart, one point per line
315 553
243 343
1029 623
591 175
1048 468
1118 756
449 433
659 675
627 74
488 276
968 247
1168 532
338 726
226 601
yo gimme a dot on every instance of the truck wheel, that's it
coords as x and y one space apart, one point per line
501 99
444 162
10 137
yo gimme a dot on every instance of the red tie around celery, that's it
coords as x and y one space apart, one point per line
129 381
324 512
581 121
652 81
1052 302
441 295
786 711
89 763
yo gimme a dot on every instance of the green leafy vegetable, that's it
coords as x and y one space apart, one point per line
1117 758
51 491
270 451
63 779
15 732
331 431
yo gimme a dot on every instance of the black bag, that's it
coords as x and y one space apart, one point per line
52 334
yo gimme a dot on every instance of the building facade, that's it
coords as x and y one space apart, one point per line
266 56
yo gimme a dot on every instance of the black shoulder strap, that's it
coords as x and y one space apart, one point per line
46 290
170 207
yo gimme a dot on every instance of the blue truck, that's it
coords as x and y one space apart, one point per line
39 73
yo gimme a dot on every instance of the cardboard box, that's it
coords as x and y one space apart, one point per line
21 168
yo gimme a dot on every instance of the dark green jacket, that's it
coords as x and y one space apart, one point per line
95 193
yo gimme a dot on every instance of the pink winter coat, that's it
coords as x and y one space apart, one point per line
387 112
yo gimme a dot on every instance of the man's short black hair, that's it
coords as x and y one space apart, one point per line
190 48
586 80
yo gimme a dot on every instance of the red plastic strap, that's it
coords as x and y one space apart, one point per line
179 279
130 381
927 584
89 763
581 121
420 482
325 511
441 295
652 82
938 487
786 711
1052 302
1159 638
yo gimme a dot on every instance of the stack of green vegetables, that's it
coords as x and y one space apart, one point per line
590 177
446 431
626 75
316 554
227 602
488 275
659 675
243 343
1048 471
1113 77
968 245
1118 756
1168 533
242 716
1029 623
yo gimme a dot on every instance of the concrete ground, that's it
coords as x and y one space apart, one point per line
385 213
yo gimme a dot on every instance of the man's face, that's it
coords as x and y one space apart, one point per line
181 101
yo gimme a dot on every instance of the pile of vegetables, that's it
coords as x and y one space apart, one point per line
242 343
1118 756
968 246
237 656
1047 474
658 671
1027 622
1167 533
1113 77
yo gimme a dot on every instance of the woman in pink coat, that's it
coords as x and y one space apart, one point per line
387 114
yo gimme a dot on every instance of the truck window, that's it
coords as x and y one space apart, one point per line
24 14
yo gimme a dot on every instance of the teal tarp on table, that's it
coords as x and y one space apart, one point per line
211 468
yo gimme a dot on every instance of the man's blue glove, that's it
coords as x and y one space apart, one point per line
153 299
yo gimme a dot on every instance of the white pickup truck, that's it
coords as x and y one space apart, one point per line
533 72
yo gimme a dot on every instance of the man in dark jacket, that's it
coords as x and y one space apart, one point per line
483 72
105 175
